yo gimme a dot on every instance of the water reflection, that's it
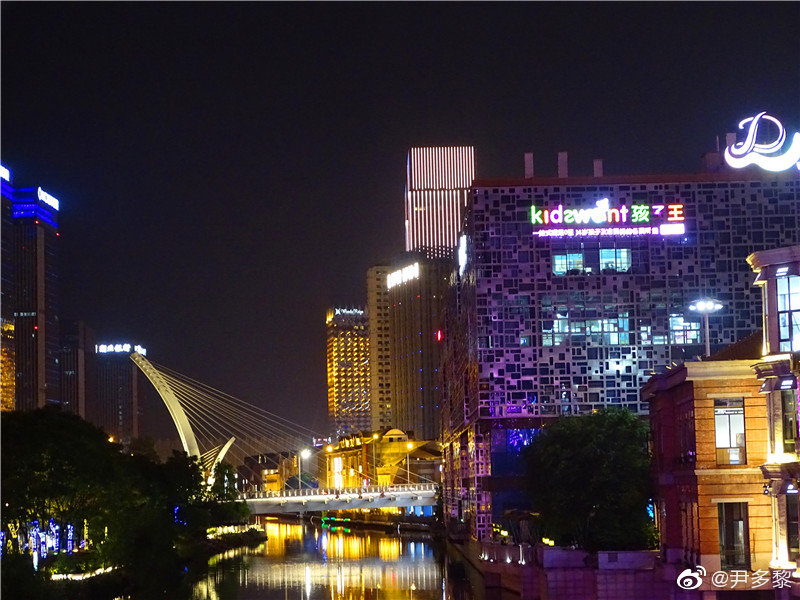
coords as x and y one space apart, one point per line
309 563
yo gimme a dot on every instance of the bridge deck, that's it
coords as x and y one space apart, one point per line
319 499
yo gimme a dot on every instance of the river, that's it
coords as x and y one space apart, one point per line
306 562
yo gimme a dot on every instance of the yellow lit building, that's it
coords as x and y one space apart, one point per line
8 366
348 371
387 458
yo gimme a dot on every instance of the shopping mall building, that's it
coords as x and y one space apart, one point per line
571 291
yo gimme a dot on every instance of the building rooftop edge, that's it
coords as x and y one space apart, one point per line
762 258
742 175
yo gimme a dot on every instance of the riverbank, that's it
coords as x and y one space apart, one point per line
164 577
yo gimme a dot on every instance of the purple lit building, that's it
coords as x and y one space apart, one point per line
572 291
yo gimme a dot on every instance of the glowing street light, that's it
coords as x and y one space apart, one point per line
304 454
705 307
409 446
374 472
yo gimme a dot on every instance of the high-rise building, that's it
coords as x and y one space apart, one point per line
417 289
120 390
573 290
8 371
78 362
30 294
348 370
380 391
437 182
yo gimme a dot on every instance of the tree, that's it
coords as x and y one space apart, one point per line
589 479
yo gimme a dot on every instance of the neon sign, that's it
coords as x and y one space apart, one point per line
126 348
749 152
639 219
47 198
402 275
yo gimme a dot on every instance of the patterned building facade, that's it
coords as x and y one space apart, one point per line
437 185
347 360
570 292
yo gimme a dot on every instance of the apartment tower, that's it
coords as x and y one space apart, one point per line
379 348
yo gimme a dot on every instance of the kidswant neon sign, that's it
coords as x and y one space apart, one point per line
605 220
764 155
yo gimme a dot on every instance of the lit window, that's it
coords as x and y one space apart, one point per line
615 259
567 263
729 431
789 313
682 331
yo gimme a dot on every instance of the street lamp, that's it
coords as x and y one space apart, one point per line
374 471
305 453
705 307
409 446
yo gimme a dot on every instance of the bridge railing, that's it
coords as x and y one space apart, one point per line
325 493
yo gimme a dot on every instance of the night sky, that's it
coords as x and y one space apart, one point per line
228 171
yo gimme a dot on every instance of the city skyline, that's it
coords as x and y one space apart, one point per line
220 181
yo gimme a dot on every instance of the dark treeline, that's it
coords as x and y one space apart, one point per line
144 517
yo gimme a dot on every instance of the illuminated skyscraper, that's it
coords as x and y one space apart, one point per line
379 348
436 196
29 296
417 290
120 389
7 348
348 370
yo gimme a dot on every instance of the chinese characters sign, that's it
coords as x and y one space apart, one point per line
605 220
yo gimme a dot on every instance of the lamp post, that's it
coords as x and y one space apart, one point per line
373 474
705 307
409 446
305 453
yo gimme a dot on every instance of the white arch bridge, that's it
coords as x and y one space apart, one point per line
213 425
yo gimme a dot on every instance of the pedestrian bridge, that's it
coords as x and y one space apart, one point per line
323 499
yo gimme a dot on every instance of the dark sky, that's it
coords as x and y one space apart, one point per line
228 171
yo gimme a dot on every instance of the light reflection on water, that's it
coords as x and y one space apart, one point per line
308 563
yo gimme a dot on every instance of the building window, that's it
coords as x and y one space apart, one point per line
792 537
789 313
789 407
682 331
734 549
615 259
729 430
571 264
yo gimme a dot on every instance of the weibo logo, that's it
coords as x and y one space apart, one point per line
749 152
